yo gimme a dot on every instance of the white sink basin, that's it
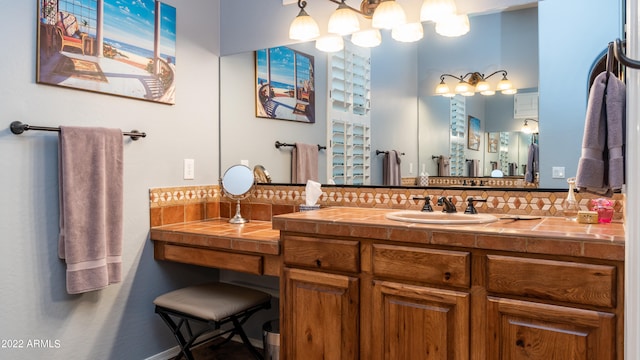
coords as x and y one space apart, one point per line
440 217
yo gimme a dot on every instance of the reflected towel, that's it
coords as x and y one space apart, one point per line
601 165
443 166
532 163
304 163
91 206
391 175
473 167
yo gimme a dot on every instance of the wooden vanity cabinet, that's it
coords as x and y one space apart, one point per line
580 324
353 298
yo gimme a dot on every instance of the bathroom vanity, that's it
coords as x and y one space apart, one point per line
356 285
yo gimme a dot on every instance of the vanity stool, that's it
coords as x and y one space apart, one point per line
212 306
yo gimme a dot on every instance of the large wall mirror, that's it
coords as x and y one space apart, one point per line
405 114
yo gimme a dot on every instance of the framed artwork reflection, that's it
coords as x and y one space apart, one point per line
95 45
493 140
473 133
285 84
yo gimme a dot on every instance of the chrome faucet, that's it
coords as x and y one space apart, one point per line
447 205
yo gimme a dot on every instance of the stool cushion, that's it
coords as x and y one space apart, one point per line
212 301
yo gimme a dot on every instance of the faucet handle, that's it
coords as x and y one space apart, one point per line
427 202
470 208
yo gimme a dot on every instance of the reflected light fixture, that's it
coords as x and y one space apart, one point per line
303 26
473 82
526 128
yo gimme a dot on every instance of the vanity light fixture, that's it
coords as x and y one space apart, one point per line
383 14
303 27
528 129
473 82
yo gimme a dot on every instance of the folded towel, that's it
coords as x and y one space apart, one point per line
91 207
601 165
391 175
304 163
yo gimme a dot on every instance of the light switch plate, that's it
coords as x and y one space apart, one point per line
189 169
557 172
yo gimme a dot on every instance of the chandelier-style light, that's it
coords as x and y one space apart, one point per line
384 14
473 82
409 32
330 43
435 10
388 15
367 38
303 27
343 21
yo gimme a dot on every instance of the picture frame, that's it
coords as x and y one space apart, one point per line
493 142
473 133
285 84
130 54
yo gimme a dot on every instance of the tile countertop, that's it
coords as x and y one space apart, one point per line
253 237
546 235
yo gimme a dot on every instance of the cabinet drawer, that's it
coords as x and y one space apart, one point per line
328 254
426 265
552 280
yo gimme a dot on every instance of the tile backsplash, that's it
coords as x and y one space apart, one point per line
171 205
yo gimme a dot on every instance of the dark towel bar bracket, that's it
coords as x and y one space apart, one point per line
281 144
621 57
18 128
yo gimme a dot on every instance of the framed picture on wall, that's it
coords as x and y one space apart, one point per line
493 140
473 133
95 46
285 84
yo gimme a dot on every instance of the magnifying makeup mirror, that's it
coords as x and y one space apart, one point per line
236 184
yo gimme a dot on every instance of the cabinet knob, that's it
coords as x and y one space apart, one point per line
318 263
447 276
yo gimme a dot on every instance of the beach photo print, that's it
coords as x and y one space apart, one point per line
130 50
285 85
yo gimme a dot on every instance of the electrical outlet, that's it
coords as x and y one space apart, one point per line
557 172
189 169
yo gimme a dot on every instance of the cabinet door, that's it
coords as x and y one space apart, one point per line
420 323
521 330
320 316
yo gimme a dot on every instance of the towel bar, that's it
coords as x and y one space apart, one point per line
18 128
281 144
